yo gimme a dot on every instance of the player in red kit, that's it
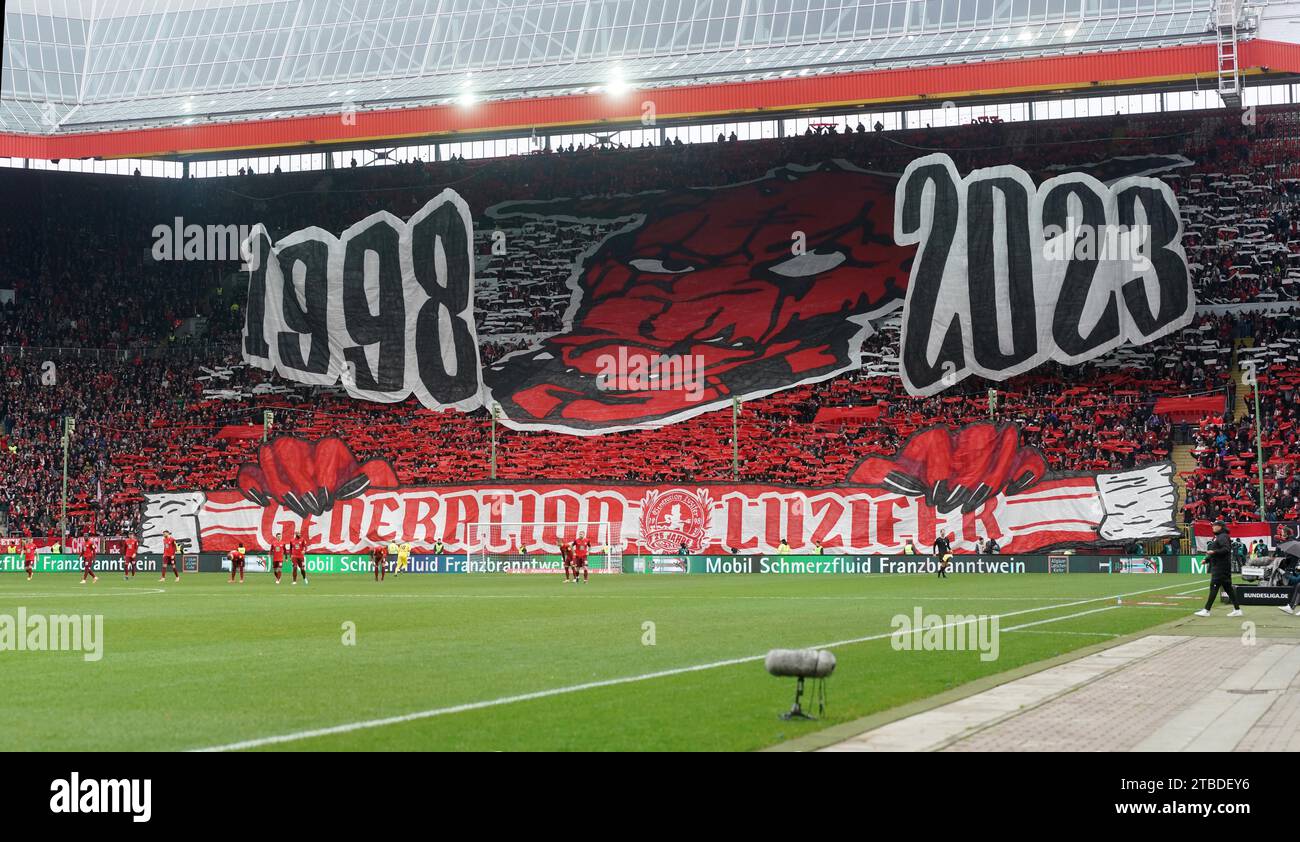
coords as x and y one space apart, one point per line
580 549
88 561
29 557
169 556
237 563
566 556
377 559
277 558
298 556
129 549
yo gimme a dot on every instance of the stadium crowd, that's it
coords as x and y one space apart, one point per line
143 353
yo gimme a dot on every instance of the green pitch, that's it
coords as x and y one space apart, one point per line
203 663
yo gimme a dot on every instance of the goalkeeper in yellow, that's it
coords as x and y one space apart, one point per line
402 552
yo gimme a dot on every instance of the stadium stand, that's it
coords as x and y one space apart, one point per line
146 358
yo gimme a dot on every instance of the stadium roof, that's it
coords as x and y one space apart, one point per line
72 67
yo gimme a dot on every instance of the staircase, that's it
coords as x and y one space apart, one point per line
1225 30
1243 392
1184 464
1181 454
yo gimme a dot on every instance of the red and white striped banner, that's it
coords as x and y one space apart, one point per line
1076 510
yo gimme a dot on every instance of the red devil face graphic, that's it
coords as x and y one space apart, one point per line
730 292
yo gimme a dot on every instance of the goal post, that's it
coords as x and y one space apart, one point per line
535 547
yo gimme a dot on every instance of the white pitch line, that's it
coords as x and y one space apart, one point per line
592 685
1057 619
101 592
673 597
1079 634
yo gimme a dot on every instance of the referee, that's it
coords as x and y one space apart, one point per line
1219 559
943 549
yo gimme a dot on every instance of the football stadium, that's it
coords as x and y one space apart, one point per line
695 375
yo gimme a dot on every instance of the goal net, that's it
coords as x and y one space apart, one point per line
535 547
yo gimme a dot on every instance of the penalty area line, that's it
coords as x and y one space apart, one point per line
366 724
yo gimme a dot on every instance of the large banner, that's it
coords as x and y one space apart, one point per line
967 483
686 299
680 301
387 310
1009 275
